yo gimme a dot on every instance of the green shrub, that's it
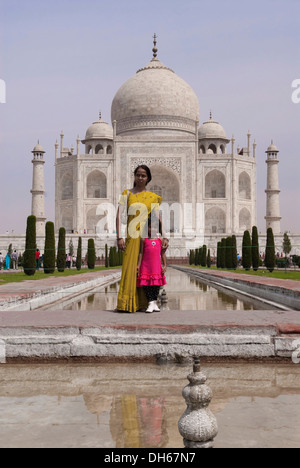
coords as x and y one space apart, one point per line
270 260
219 249
204 256
91 254
30 248
49 255
79 255
223 254
61 251
247 251
228 255
234 253
255 249
192 257
106 256
208 261
287 245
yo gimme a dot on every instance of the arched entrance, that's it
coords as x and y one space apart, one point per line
166 184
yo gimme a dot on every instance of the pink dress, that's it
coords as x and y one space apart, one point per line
151 272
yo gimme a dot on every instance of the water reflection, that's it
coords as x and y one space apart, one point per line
133 406
184 293
142 423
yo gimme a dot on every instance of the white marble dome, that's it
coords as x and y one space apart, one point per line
272 148
212 130
99 130
38 149
155 98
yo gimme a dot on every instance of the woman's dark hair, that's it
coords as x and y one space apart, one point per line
145 168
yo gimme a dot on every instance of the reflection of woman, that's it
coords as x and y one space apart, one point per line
136 204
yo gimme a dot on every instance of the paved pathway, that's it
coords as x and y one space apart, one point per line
29 288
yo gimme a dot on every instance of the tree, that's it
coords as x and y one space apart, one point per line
61 251
223 254
111 257
192 257
208 261
30 248
79 254
204 256
255 249
106 256
49 255
287 246
270 260
91 254
234 253
228 255
247 251
219 254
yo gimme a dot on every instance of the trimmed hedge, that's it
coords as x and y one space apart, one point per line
91 254
255 249
61 251
49 255
247 251
270 260
79 255
30 248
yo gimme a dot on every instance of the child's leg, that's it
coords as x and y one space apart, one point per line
152 293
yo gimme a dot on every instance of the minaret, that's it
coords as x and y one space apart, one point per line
273 217
38 190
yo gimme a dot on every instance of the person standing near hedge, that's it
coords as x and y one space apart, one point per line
37 258
14 258
1 261
8 261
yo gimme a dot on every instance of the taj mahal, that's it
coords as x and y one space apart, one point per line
155 119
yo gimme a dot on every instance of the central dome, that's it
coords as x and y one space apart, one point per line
155 98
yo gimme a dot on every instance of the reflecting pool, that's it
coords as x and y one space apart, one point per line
127 406
184 292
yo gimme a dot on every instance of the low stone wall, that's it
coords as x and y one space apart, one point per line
144 344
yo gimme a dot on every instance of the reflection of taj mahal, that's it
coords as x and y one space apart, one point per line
155 117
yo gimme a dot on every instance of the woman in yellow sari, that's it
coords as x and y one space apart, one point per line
136 205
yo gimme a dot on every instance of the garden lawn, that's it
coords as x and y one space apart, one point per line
39 275
279 274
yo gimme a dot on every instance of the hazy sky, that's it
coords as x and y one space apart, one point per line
63 61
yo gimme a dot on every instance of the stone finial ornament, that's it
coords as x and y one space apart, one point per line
198 426
155 49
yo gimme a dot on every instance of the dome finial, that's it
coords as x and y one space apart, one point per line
100 115
210 115
155 49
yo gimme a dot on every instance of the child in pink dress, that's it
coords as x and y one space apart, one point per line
151 274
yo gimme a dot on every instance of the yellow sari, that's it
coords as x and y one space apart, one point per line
139 206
